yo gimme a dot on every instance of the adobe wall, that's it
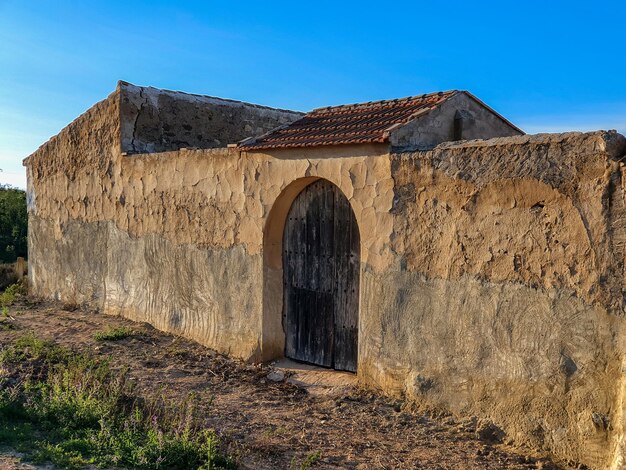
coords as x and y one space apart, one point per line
507 300
492 271
67 176
176 238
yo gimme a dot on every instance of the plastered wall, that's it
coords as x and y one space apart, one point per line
508 301
437 126
492 271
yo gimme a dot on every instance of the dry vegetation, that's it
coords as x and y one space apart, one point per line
79 387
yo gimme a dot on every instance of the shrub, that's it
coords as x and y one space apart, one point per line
306 464
74 410
11 293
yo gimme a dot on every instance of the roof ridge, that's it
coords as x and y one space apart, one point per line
123 83
392 100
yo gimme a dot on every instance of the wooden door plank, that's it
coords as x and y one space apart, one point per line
321 278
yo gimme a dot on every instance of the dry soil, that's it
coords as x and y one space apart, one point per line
268 422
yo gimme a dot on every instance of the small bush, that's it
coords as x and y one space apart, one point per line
74 410
12 293
114 334
310 460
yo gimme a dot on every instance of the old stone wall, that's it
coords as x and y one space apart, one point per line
155 120
492 271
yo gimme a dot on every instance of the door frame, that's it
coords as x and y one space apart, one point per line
272 344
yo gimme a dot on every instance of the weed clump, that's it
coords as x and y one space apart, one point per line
74 410
8 298
309 461
11 294
114 334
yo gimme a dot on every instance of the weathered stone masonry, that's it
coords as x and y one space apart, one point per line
492 270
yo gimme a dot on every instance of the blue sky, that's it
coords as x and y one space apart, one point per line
547 66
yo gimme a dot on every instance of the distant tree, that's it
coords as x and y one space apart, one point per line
13 224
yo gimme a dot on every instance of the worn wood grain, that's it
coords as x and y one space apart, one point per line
321 278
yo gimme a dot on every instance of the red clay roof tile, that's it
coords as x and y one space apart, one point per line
348 124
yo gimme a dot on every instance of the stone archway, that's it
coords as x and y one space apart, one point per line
329 211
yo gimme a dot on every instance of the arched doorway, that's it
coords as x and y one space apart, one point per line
321 267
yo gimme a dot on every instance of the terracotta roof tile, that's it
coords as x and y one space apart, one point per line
348 124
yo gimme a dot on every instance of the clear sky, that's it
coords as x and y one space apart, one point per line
547 66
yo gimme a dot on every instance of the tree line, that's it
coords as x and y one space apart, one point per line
13 224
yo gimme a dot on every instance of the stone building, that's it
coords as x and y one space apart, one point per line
425 243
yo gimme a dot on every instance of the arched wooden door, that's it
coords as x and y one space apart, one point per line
321 278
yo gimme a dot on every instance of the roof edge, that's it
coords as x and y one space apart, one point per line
121 85
251 140
363 103
262 148
115 94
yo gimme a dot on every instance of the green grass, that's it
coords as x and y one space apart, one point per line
114 334
74 410
308 462
11 294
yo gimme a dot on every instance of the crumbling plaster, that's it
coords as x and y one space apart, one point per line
546 211
155 120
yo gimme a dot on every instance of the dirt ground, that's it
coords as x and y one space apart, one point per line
266 422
